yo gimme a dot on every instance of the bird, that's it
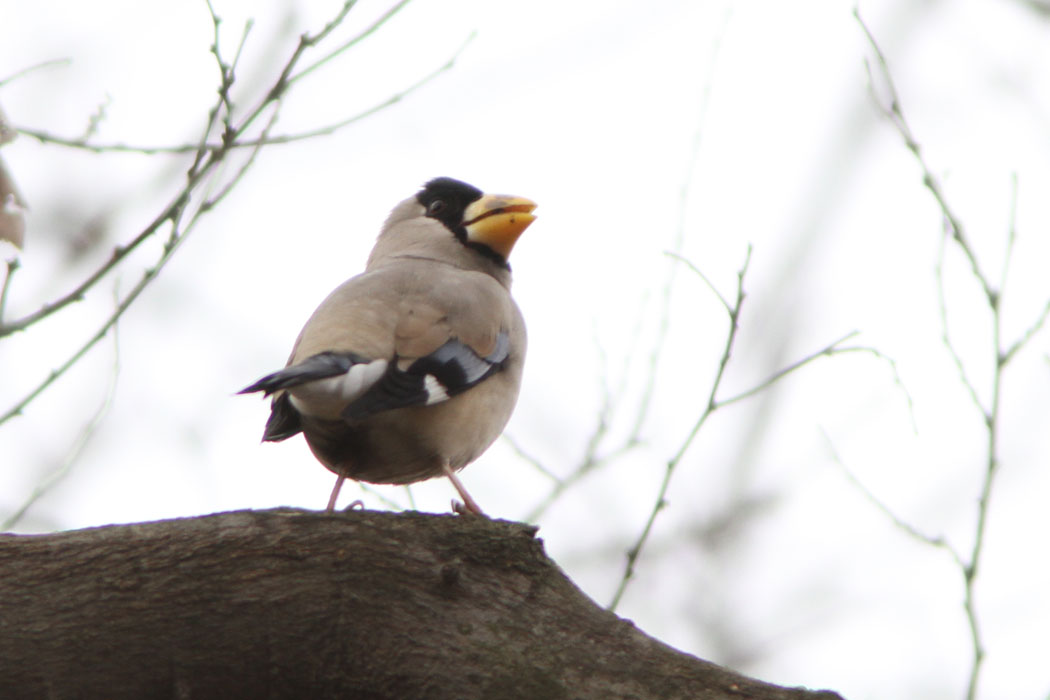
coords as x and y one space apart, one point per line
411 369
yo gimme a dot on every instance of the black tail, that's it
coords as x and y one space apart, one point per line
284 420
321 366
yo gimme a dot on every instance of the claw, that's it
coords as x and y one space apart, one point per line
469 505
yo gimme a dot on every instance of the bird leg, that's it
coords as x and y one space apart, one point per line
335 494
469 505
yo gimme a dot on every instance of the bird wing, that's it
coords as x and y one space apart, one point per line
284 420
403 336
449 336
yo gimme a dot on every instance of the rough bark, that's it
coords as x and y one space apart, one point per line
295 604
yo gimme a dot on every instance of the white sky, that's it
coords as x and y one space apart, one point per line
592 110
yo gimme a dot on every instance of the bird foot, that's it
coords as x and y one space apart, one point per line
469 505
335 494
460 508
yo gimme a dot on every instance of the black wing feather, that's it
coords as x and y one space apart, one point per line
320 366
284 420
454 366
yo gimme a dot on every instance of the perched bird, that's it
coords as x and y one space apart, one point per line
411 369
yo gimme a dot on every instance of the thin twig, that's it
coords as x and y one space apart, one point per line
200 167
81 442
894 112
991 414
226 78
388 502
207 156
368 31
1030 333
714 404
636 549
830 349
174 214
591 460
585 467
410 496
328 129
1011 239
1011 234
954 227
35 67
531 459
118 254
942 304
11 267
96 119
55 139
393 99
306 41
664 324
899 522
56 373
699 273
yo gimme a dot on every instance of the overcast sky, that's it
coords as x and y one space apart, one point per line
639 128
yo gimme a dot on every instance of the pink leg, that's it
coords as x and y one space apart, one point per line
335 494
469 504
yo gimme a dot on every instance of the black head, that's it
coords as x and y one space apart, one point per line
446 199
495 222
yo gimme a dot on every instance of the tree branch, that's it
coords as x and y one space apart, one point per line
289 603
990 411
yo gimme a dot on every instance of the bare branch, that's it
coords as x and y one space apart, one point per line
86 346
393 99
591 459
306 41
664 326
408 494
672 464
1030 333
939 541
11 267
174 214
81 442
35 67
45 137
1011 234
118 254
368 31
894 112
702 276
990 413
828 350
534 461
208 155
386 501
942 303
714 404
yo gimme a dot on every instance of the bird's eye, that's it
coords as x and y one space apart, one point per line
436 207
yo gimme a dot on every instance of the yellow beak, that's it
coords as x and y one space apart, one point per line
496 221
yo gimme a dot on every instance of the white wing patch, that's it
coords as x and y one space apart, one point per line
436 392
446 372
348 386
